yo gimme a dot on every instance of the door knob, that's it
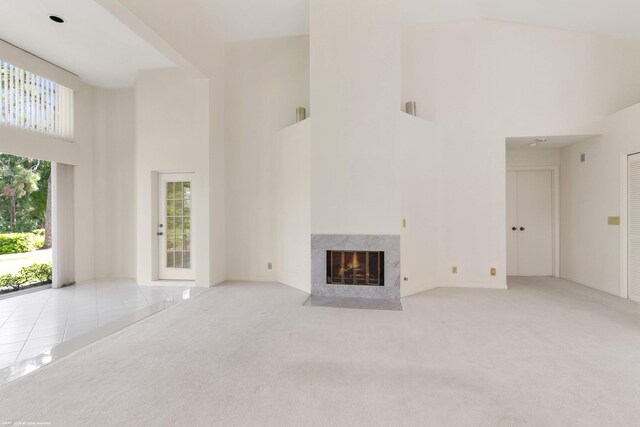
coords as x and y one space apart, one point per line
514 228
521 228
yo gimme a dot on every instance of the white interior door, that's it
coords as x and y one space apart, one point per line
535 223
175 227
633 227
529 223
512 223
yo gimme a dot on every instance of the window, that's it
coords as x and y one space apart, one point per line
33 103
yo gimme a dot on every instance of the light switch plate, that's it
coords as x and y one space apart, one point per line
269 266
613 220
492 271
454 270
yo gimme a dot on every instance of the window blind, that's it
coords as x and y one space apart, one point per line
34 103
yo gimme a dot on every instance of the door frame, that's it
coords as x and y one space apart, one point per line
555 202
159 190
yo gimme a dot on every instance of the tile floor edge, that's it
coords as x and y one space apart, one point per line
57 352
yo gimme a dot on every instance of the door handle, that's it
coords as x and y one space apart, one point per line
521 228
514 228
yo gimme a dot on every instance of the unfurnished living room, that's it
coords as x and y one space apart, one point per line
320 212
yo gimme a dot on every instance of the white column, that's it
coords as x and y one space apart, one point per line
355 99
63 235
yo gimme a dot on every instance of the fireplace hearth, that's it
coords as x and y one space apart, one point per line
355 268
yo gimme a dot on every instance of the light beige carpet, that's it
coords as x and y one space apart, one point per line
546 352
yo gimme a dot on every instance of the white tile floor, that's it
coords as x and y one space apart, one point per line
32 323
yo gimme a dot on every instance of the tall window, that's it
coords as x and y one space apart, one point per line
33 103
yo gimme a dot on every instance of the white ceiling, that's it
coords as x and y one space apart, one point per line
524 143
91 43
102 51
252 19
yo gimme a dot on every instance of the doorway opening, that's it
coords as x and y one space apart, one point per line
26 226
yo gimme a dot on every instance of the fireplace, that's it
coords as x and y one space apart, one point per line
355 268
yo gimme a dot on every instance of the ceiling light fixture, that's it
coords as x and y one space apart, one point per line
533 144
541 139
56 19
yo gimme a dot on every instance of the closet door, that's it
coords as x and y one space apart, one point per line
633 227
512 223
535 223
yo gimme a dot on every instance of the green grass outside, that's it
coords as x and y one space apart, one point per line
12 263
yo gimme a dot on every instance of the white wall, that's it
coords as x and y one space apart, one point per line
185 32
590 193
419 184
483 81
172 130
293 206
266 81
355 96
533 157
114 183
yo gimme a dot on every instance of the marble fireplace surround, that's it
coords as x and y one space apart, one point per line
390 244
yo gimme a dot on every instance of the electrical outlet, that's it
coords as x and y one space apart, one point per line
492 271
269 266
454 270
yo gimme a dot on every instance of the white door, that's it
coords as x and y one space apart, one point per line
512 222
530 223
633 227
175 227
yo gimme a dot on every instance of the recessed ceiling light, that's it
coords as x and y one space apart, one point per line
533 144
56 19
541 139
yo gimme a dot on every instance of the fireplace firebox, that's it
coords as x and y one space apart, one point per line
355 268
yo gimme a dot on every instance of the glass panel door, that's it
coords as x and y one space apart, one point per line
174 228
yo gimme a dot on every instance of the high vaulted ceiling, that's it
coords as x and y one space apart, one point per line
103 51
91 43
253 19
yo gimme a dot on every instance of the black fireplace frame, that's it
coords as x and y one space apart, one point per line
336 280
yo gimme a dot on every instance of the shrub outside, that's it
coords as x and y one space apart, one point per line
17 243
35 273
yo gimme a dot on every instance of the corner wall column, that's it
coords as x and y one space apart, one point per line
63 222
